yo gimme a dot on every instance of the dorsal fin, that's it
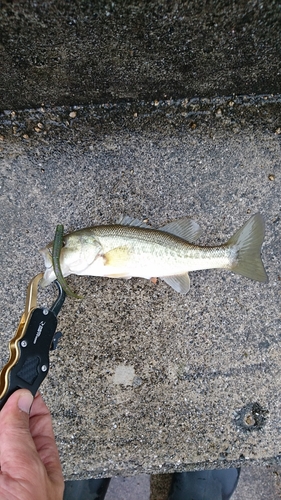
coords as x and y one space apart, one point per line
185 228
126 220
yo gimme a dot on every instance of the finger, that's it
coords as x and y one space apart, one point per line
41 429
16 444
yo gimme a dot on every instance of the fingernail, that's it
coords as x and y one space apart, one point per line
25 401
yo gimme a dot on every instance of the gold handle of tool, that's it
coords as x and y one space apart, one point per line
30 305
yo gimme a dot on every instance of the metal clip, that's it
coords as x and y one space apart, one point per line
15 345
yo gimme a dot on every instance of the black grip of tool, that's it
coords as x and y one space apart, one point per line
32 364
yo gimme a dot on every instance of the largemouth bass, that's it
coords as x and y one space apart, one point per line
132 248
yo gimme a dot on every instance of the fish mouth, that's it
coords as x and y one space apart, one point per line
47 256
49 275
48 278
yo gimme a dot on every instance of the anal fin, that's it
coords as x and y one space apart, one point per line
180 283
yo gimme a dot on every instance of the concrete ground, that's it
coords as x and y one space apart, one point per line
145 379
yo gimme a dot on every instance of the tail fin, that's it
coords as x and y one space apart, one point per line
248 241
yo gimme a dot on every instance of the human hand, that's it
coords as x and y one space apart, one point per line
30 467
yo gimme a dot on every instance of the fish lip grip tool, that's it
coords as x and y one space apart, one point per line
36 335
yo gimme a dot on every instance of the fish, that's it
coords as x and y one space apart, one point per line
131 248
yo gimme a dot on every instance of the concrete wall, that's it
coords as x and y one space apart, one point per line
61 52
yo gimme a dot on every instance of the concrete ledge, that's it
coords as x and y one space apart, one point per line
86 124
58 52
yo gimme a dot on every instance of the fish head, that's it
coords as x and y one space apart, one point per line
77 253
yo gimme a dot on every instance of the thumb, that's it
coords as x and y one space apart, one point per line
20 401
16 443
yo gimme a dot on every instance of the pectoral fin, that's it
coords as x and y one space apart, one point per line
180 283
117 257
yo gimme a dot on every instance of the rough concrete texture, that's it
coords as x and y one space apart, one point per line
82 52
197 369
